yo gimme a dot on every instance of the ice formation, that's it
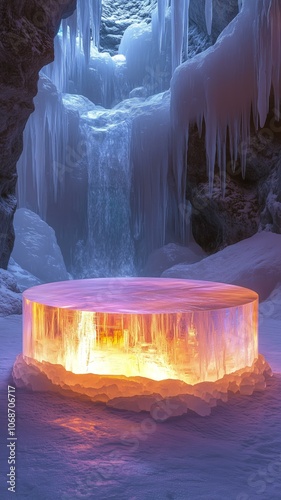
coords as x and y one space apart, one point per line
193 331
229 85
46 141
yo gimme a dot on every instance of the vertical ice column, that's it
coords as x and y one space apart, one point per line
178 28
161 11
209 15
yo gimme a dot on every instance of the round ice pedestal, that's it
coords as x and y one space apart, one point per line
156 328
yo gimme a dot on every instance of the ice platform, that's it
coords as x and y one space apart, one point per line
157 328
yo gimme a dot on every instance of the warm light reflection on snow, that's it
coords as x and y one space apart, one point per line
76 424
155 328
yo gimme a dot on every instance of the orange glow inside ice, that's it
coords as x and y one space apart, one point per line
155 328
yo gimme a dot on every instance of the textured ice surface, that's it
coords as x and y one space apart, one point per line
155 328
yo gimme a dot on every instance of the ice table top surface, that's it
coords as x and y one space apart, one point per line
139 295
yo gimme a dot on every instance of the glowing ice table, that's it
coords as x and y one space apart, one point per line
151 327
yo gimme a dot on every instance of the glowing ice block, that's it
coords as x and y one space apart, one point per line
151 327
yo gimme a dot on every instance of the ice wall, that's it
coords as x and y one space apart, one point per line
52 171
154 205
228 86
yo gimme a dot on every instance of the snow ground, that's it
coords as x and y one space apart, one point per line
68 448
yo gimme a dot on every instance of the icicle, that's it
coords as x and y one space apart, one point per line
240 4
162 6
186 28
84 21
178 28
89 19
209 15
96 12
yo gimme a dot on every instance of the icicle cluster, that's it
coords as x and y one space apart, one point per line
46 142
227 85
78 37
84 23
179 26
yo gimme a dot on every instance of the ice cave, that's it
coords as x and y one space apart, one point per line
140 248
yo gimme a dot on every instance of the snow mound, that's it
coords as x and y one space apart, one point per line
36 249
163 399
253 263
169 255
10 296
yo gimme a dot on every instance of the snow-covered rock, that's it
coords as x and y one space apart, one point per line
117 16
271 307
170 255
23 278
254 263
36 249
10 296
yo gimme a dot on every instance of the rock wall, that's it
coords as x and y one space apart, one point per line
27 30
223 12
251 204
117 15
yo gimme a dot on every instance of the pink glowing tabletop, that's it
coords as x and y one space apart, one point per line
139 295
